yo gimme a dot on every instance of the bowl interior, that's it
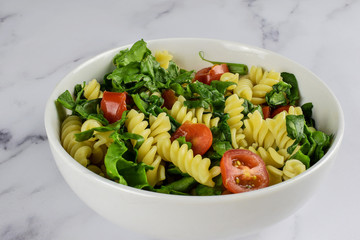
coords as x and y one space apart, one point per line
186 55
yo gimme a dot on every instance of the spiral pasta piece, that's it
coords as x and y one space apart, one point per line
230 77
275 175
234 107
183 158
257 131
244 88
264 86
238 138
159 127
277 126
256 74
292 168
92 90
180 112
80 151
135 124
205 118
270 156
89 124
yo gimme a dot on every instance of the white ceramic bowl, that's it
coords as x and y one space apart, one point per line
194 217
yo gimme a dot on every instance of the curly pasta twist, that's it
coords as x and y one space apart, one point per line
180 112
230 77
135 124
244 88
159 127
264 86
270 156
256 74
205 118
92 90
277 126
275 175
257 131
237 138
292 168
183 158
234 107
80 151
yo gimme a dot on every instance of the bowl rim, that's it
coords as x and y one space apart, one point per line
67 159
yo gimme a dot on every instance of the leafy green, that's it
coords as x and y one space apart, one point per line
124 171
67 100
294 94
250 108
136 53
202 190
307 111
239 68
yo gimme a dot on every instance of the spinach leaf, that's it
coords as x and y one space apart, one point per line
124 171
305 159
277 96
67 100
239 68
135 54
307 111
294 94
202 190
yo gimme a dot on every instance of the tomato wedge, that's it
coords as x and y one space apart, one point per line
266 111
279 110
198 134
113 104
243 171
169 98
206 75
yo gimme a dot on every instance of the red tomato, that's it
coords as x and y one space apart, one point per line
266 111
206 75
169 98
243 171
198 134
113 104
279 110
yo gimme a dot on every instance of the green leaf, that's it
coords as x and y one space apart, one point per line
278 96
86 108
220 147
184 184
299 155
136 53
67 100
221 86
307 111
295 126
202 190
294 94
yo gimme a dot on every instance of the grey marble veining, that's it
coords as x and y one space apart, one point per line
41 41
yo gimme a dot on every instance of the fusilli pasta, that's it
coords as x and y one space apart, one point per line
183 158
92 90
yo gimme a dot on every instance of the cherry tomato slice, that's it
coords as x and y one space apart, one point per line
198 134
206 75
243 171
113 104
169 98
266 111
279 110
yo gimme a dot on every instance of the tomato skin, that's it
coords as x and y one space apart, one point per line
243 171
266 111
198 134
279 110
206 75
169 98
113 104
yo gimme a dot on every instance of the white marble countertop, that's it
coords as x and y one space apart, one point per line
41 41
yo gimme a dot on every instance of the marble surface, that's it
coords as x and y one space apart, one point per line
41 41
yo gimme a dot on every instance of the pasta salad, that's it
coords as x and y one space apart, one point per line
227 128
